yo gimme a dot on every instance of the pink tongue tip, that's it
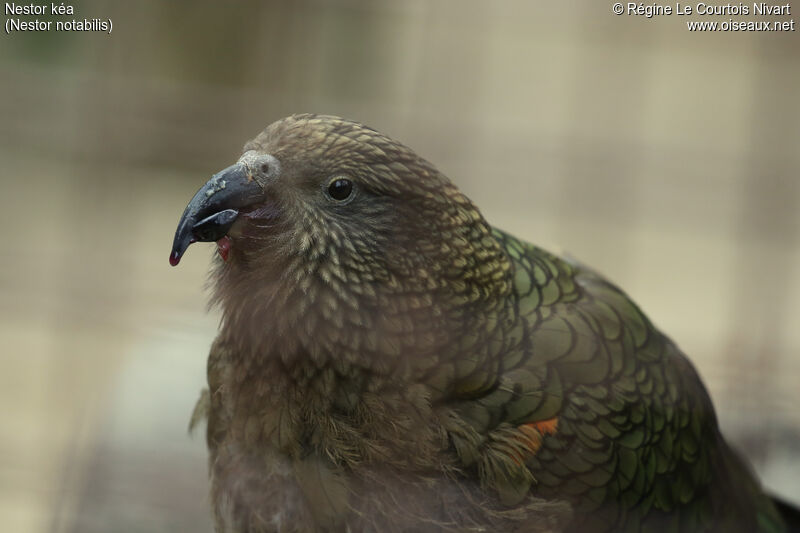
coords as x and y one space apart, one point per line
224 247
174 258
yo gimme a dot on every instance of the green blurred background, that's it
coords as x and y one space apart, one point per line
666 159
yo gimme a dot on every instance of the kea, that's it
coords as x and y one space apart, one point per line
388 361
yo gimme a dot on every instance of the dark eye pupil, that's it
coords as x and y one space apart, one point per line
340 189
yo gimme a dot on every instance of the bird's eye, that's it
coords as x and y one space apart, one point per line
340 189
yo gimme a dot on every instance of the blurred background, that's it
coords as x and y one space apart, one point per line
666 159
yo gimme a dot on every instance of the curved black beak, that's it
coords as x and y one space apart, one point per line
214 208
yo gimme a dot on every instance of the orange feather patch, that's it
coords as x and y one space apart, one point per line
531 436
545 427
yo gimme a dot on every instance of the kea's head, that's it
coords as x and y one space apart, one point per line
335 216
